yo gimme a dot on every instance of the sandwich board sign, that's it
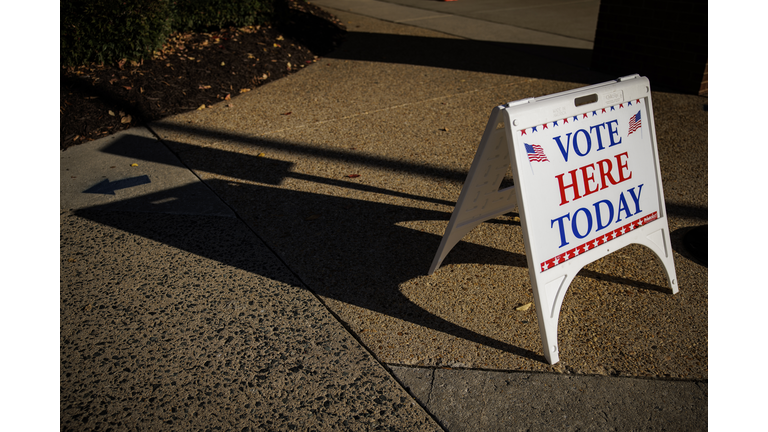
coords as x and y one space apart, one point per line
587 183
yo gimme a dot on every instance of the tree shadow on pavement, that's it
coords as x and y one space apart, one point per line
505 58
528 60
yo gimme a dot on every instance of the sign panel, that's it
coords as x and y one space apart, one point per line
587 182
589 178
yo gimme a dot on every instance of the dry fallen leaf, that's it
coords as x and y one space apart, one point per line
222 63
204 87
524 307
134 164
201 107
245 90
227 97
112 113
280 38
260 155
126 119
352 175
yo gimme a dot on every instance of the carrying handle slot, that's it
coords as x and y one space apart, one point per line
584 100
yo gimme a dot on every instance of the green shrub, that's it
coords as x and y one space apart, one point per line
216 14
105 31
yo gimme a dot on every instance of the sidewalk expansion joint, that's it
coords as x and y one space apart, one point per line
239 217
365 113
301 281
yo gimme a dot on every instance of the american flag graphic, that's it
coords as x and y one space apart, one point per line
535 153
634 123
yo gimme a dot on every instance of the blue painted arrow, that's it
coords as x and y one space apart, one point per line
107 187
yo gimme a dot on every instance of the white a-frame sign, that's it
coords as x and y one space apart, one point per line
587 182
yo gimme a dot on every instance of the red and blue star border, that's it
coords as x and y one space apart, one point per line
576 118
599 241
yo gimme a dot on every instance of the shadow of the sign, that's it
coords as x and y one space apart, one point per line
352 250
626 281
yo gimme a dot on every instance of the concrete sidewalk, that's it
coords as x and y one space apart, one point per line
263 266
561 23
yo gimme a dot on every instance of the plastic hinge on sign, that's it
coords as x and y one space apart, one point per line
629 77
519 102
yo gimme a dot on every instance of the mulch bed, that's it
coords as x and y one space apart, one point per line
192 70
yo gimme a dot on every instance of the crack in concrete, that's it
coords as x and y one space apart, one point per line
431 387
702 386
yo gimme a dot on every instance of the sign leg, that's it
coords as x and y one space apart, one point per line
480 198
659 242
455 232
451 237
549 298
